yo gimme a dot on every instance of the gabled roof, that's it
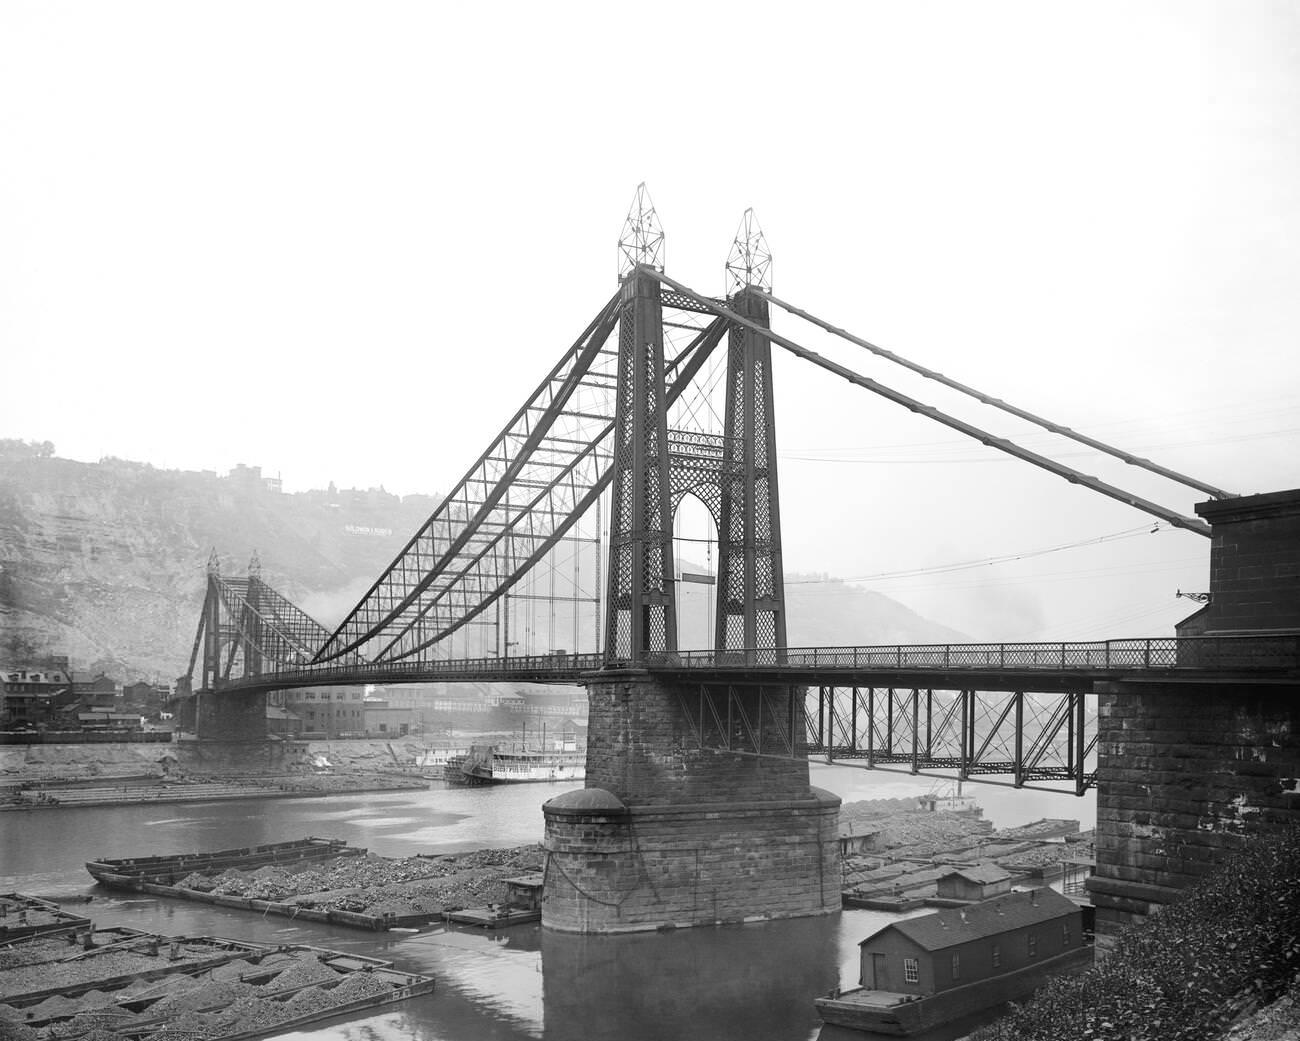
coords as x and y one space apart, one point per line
981 874
951 928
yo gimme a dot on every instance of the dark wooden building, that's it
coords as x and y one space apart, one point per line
955 947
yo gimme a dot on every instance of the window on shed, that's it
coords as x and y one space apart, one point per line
956 966
911 970
1033 945
1065 934
997 955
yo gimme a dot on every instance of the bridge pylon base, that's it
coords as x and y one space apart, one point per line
231 716
670 834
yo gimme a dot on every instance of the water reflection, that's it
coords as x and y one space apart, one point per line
750 981
753 982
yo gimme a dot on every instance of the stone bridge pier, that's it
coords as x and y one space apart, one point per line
233 716
1188 769
669 834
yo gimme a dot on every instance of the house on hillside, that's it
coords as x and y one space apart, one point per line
953 948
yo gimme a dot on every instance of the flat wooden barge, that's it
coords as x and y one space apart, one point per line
159 876
22 917
168 869
136 985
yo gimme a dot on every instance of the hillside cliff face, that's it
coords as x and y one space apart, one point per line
106 562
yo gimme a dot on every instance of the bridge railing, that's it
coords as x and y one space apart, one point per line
1280 651
1272 652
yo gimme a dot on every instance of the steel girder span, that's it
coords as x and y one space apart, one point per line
545 468
247 630
1028 738
1022 739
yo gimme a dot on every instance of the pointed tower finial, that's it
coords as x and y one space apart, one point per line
255 566
750 261
214 563
642 241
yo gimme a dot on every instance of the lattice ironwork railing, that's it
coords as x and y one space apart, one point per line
1194 652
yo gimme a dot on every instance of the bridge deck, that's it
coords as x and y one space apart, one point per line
988 666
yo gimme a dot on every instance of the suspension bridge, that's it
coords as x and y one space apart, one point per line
697 751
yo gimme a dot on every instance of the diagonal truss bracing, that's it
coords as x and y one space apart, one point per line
1028 737
248 629
515 504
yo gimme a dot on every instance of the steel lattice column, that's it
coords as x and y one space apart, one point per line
642 617
751 595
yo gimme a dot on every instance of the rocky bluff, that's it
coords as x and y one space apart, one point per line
106 562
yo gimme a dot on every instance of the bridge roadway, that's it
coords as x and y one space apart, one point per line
1040 667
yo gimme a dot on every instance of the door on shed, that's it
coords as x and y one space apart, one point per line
879 974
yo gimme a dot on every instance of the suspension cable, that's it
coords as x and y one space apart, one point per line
1047 424
1178 520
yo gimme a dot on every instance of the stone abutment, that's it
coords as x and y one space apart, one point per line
667 833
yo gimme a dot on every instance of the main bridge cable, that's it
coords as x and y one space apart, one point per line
1047 424
593 337
1178 520
683 369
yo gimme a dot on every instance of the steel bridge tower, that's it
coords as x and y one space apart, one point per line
734 475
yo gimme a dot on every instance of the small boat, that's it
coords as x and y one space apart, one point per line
168 869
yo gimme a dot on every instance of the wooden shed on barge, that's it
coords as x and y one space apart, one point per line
953 948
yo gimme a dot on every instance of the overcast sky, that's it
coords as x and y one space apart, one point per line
345 241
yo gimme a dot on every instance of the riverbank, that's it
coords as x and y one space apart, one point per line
122 773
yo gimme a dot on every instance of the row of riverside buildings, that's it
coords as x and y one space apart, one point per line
52 696
332 712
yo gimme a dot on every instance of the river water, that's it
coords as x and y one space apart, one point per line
752 982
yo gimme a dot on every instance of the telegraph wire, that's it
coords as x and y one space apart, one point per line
965 565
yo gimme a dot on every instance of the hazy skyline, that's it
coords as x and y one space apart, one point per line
344 242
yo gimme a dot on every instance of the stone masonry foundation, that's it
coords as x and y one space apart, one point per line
231 717
1188 770
667 833
1185 776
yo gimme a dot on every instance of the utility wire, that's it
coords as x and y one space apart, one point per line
964 565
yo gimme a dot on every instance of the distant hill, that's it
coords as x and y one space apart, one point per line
822 611
106 562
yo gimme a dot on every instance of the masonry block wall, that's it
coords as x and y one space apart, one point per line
1254 562
1188 769
669 834
1186 776
642 748
231 717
